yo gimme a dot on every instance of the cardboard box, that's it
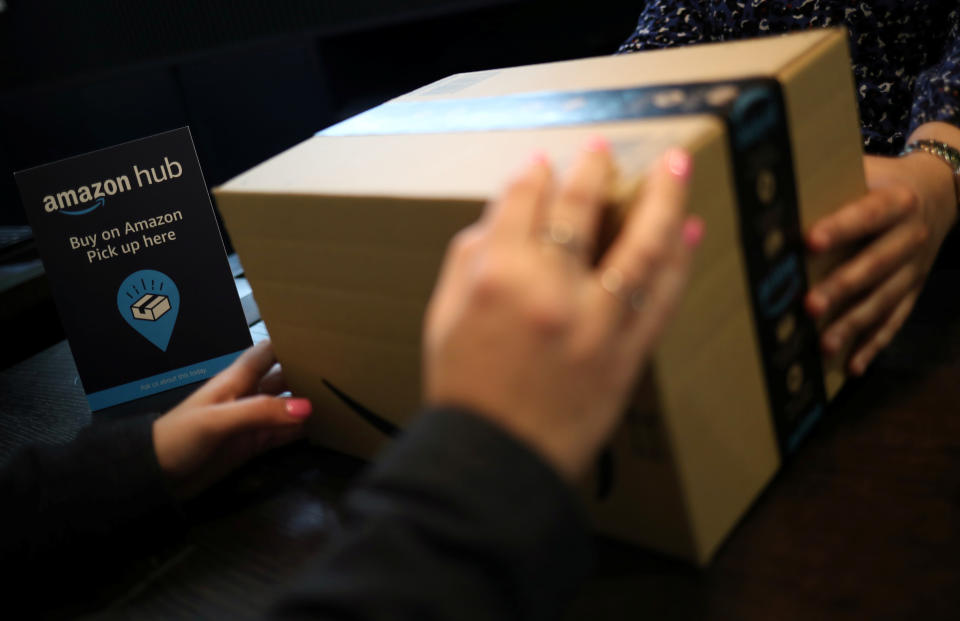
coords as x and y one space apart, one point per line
342 237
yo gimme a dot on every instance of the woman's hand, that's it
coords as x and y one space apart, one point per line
902 221
227 421
525 331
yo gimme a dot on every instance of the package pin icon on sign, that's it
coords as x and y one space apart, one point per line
150 307
149 301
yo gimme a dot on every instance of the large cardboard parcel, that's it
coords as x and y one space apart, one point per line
342 237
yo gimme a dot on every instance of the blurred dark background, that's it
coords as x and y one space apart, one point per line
250 78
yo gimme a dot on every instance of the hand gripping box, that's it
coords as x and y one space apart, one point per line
342 237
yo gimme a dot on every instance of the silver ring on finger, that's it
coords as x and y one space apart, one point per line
560 234
612 281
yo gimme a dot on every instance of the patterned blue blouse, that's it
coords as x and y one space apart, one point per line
906 53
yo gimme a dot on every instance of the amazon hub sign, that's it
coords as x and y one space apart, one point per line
88 197
133 254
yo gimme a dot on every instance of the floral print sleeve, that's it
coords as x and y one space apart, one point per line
906 55
937 91
668 24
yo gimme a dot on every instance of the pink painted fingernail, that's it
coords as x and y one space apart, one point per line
299 408
831 343
819 240
598 144
680 163
693 231
858 366
817 303
540 158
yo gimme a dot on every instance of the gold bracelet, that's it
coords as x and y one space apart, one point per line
947 154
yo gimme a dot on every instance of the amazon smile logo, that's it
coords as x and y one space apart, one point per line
97 203
380 423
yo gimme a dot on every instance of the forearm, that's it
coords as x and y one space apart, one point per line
940 185
457 521
948 186
937 130
72 512
935 112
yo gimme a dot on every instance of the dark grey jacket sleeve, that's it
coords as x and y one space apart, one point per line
72 514
457 520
